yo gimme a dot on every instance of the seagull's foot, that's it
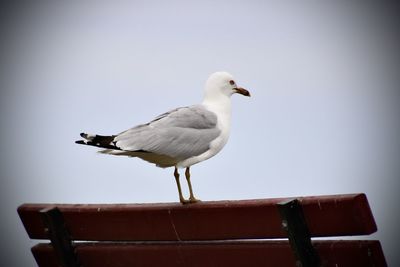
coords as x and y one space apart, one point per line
194 200
191 200
184 201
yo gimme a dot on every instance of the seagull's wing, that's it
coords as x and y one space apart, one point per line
179 134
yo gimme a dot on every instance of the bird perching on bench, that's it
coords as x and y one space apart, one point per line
181 137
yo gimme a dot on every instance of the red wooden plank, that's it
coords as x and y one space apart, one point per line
349 253
336 215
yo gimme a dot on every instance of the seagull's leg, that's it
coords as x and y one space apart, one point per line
181 198
192 199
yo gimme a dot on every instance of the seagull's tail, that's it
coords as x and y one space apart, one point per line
98 140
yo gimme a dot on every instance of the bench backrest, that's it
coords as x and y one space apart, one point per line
221 233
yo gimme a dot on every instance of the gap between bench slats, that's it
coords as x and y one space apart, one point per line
337 215
344 253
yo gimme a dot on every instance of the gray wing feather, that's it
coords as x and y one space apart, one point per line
180 133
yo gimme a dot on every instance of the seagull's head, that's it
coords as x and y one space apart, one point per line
223 84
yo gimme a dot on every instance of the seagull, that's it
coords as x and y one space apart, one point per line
181 137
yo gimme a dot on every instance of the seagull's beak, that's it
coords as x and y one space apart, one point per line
242 91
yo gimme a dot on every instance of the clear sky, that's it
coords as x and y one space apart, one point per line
322 119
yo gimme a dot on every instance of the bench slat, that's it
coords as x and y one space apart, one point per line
344 253
337 215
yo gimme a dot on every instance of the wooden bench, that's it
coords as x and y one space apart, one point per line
220 233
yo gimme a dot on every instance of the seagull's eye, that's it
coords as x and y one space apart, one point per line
232 82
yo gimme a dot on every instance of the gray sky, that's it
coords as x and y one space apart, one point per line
322 119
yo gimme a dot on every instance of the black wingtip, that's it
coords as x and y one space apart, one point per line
80 142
